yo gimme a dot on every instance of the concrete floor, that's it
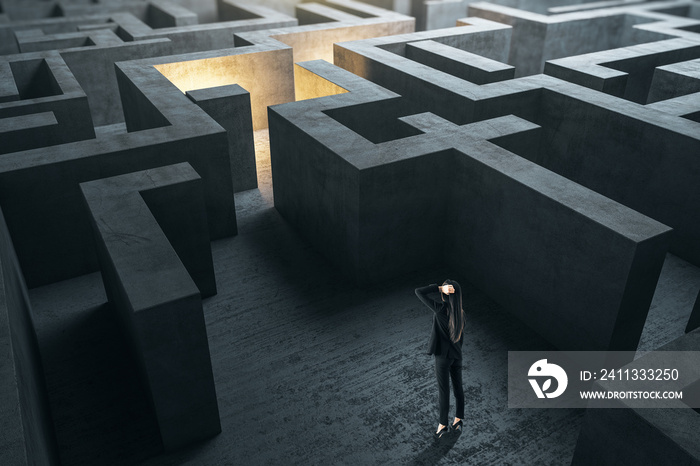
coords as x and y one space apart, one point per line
310 369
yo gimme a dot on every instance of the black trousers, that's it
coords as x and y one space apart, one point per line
446 369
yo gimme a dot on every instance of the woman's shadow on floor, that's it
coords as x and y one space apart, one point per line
436 450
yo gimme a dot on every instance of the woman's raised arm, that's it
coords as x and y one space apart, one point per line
423 292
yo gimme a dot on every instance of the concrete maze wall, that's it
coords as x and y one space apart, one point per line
547 151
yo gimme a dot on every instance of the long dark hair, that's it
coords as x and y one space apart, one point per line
456 324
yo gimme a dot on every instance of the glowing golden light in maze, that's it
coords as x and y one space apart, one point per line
309 85
266 75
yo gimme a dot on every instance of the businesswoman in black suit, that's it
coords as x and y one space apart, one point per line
446 344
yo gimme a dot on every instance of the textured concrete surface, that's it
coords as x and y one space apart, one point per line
8 44
189 72
234 17
540 37
152 242
429 14
93 63
12 444
675 80
626 160
462 64
308 368
159 129
163 210
230 107
44 83
694 320
271 53
642 436
377 208
48 224
26 420
670 310
345 365
630 72
443 13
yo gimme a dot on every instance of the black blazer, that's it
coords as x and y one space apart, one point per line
440 343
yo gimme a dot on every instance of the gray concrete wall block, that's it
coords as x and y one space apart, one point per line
380 208
554 196
569 117
152 239
539 37
51 230
28 435
230 107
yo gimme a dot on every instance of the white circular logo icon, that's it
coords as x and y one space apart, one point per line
546 371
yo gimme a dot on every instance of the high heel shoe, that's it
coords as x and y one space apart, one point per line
458 426
441 432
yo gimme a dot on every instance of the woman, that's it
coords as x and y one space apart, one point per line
446 345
